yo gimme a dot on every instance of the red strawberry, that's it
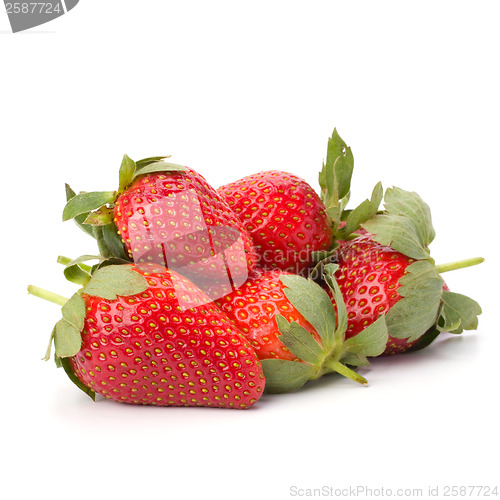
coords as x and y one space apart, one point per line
388 271
368 277
284 216
168 214
163 344
292 324
253 308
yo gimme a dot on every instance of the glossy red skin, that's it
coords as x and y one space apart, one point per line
178 220
368 277
285 218
149 349
253 309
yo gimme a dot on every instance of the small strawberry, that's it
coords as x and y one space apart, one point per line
284 216
167 214
388 270
292 325
253 307
142 334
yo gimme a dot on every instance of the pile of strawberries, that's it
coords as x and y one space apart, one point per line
209 297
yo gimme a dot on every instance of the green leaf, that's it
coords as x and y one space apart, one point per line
159 166
459 313
49 347
86 202
329 276
299 341
114 241
112 281
76 274
153 159
352 359
371 341
66 365
426 339
79 219
101 242
410 204
313 303
104 215
74 311
67 339
365 211
75 271
126 175
421 289
335 177
285 376
398 232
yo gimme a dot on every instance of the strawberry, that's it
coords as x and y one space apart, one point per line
168 214
388 271
142 334
292 325
253 308
284 216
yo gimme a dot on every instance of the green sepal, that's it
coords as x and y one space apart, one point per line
48 352
335 178
104 250
299 341
285 376
67 339
104 215
157 167
153 159
421 290
77 272
66 365
370 342
86 202
313 303
459 313
115 280
363 212
79 219
397 201
352 359
126 175
426 339
329 277
399 232
114 242
74 311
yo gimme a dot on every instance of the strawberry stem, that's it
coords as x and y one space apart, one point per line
46 295
460 264
342 369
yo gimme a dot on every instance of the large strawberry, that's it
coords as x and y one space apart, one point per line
142 334
388 270
167 214
284 216
295 330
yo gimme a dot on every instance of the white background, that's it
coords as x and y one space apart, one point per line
232 88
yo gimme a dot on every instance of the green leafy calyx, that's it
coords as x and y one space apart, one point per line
331 352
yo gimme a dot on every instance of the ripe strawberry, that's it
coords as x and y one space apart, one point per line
253 308
388 271
284 216
292 325
369 277
142 334
168 214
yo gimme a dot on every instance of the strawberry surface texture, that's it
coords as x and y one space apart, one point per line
285 218
166 346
